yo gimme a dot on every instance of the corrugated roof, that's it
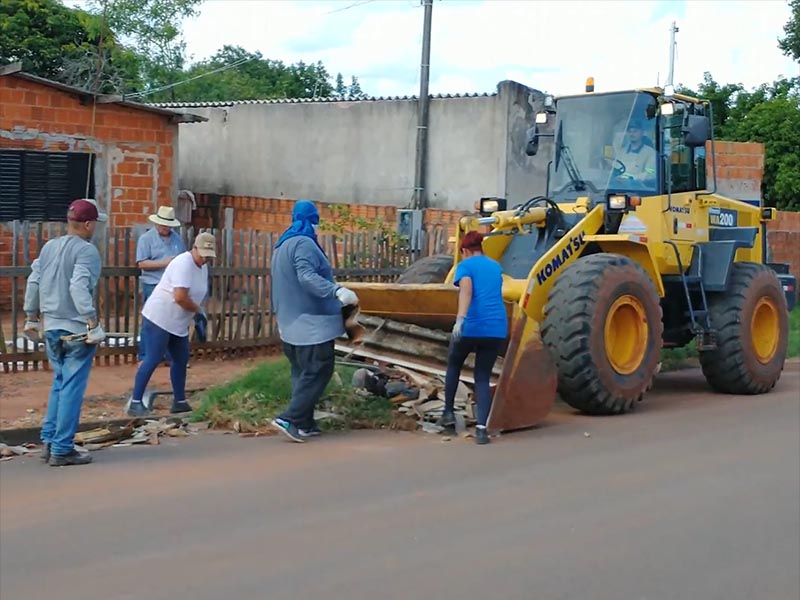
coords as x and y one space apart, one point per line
15 70
224 103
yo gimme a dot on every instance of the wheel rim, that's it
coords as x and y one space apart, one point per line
765 330
626 334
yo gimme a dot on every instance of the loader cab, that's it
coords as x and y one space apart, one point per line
634 142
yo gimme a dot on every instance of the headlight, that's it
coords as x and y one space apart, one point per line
492 205
617 202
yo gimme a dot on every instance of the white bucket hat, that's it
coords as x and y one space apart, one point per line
165 216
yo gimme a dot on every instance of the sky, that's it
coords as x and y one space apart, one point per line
552 46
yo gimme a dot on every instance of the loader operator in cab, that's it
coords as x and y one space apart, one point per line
481 327
638 156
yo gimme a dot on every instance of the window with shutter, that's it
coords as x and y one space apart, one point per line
39 186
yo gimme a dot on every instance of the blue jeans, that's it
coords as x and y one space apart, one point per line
71 363
147 290
158 342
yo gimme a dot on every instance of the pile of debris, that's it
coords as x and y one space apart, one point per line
8 452
419 396
137 431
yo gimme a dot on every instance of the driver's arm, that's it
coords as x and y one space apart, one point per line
648 172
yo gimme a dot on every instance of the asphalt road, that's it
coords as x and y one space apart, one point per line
692 497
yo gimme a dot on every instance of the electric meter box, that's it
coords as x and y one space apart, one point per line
409 226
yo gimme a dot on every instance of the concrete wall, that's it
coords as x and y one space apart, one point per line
364 151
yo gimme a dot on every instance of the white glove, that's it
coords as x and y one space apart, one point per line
33 330
96 335
346 296
457 328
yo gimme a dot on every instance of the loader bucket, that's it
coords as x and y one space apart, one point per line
430 305
526 390
526 387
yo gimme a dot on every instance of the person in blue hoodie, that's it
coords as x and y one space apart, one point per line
308 305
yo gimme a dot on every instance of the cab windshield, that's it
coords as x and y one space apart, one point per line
606 143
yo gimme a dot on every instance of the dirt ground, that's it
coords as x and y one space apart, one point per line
23 396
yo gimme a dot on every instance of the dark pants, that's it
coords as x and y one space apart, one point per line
486 351
312 369
159 341
147 290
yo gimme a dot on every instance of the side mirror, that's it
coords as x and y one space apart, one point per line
695 131
533 141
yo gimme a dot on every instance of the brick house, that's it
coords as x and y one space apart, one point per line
58 143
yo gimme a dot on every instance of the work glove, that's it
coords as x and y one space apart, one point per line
346 297
457 328
33 330
96 335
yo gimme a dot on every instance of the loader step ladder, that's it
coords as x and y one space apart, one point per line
692 283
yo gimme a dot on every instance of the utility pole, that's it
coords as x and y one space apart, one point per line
420 193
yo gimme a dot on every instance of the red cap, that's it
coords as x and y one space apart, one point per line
473 240
84 210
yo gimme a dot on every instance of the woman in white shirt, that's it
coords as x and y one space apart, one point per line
166 317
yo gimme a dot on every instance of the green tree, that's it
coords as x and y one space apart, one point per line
65 44
341 88
234 73
769 114
720 97
153 29
790 45
354 91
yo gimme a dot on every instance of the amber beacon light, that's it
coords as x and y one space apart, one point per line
590 84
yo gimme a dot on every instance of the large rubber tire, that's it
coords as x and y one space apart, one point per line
751 322
603 328
431 269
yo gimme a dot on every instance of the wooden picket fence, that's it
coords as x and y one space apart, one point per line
240 321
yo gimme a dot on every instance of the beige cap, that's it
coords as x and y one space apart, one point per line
206 245
165 216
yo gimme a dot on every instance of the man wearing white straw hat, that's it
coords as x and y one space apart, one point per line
154 251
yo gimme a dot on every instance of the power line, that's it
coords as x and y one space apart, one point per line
349 6
237 63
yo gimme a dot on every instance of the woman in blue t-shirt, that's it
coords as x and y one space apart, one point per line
481 327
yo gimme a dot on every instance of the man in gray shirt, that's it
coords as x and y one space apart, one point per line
155 249
308 305
60 290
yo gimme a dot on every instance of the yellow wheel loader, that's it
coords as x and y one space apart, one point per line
631 251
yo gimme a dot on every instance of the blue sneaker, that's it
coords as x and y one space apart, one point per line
312 431
288 430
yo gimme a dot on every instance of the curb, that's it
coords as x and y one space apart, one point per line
30 435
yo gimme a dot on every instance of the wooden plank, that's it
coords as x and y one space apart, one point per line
267 303
39 238
335 252
466 375
241 288
127 280
373 250
248 321
14 289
